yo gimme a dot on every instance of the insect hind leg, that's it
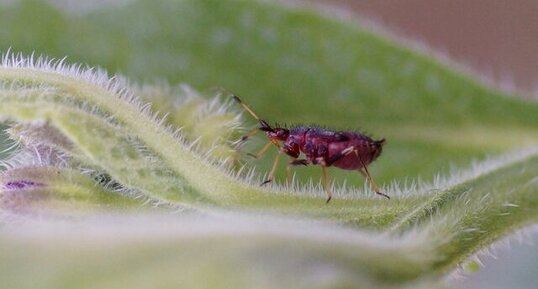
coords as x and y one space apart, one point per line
364 171
340 155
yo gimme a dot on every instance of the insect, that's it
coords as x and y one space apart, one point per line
346 150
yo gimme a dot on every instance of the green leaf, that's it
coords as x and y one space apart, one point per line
233 252
107 128
112 131
473 214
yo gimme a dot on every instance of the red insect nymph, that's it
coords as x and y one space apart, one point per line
342 149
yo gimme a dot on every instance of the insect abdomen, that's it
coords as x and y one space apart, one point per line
367 151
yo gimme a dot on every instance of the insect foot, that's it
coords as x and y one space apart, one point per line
266 182
384 195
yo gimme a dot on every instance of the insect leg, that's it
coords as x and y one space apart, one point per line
273 168
261 152
248 135
327 183
340 155
296 162
364 171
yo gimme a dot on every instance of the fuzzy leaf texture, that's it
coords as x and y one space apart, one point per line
82 120
94 150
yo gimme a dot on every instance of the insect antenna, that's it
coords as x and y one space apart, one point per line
264 126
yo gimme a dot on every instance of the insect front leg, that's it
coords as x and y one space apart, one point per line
262 151
248 135
273 168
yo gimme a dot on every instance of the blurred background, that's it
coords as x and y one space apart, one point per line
497 38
